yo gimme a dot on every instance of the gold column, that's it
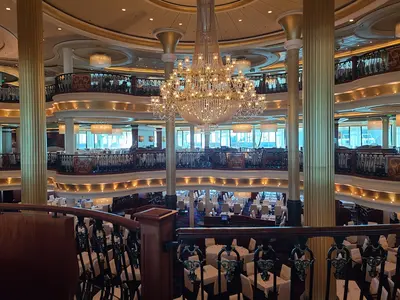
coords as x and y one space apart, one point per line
318 115
169 38
292 23
32 102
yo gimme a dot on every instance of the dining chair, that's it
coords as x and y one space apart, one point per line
209 242
285 272
252 245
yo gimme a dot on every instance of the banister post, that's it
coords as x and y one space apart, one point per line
157 227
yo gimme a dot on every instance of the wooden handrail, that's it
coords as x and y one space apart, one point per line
79 212
279 232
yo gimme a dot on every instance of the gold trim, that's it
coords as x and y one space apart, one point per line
152 44
135 70
369 92
99 105
344 54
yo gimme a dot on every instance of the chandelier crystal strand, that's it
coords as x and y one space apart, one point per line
206 92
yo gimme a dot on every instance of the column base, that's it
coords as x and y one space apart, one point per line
294 212
170 201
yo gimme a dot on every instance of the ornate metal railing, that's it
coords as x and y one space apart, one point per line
281 260
368 163
107 250
372 63
12 161
377 164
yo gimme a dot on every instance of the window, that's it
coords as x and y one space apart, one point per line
355 136
344 136
242 140
371 137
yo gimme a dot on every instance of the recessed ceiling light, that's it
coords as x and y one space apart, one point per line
240 20
358 45
351 20
59 28
151 19
7 8
180 24
270 11
124 9
370 42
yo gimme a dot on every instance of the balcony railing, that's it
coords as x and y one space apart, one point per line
369 64
376 164
216 263
107 252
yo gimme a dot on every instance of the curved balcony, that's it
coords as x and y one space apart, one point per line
381 164
372 63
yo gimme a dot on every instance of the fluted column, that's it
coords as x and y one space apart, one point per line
292 23
207 139
18 140
254 137
32 102
68 60
191 128
385 132
69 137
169 38
318 114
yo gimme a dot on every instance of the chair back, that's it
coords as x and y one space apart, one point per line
391 240
285 272
356 255
250 268
264 209
181 205
225 207
247 289
254 207
209 242
237 209
265 202
200 206
252 245
278 210
373 288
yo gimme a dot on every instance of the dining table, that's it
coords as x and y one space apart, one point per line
212 254
267 285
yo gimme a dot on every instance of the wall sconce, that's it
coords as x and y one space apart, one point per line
141 138
151 139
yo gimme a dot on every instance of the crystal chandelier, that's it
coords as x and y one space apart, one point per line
207 92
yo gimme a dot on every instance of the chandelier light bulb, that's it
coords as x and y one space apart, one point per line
207 92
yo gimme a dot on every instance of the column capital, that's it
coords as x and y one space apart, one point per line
169 38
293 44
292 24
168 57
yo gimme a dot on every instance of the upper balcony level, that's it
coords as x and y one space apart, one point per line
357 67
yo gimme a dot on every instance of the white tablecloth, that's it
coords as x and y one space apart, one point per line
268 285
353 293
212 254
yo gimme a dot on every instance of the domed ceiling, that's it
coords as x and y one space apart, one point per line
237 20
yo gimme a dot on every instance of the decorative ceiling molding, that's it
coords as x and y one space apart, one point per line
355 10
